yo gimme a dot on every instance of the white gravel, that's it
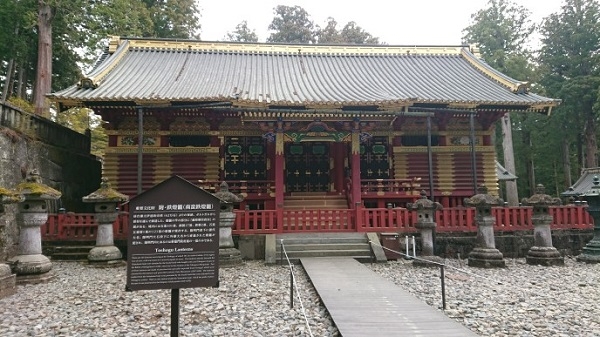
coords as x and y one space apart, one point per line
520 300
253 300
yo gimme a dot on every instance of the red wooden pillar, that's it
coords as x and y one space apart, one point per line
338 151
271 160
279 183
355 165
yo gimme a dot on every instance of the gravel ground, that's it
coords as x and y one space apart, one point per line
253 300
520 300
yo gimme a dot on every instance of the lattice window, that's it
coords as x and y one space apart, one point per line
245 158
374 159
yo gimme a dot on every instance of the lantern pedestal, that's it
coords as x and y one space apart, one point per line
30 265
426 225
228 254
542 252
591 251
485 254
105 201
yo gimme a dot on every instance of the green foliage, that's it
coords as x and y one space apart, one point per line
82 119
242 33
21 104
569 69
174 18
351 33
291 25
501 31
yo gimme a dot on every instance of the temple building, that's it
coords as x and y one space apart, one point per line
337 125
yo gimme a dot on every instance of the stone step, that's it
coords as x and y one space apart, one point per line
353 245
327 253
321 238
344 246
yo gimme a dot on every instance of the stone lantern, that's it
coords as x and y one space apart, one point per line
542 252
228 254
425 209
30 265
7 278
106 202
485 254
591 251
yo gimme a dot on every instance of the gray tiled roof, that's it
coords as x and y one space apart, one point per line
297 75
503 174
583 184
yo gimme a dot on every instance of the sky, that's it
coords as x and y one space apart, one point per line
395 22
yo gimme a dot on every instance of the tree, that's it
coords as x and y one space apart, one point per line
501 31
569 63
291 25
16 43
81 120
242 33
350 34
174 18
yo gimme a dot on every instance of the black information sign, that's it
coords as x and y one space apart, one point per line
173 237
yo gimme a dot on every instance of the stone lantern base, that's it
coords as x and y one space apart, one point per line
545 256
486 258
591 252
105 256
8 281
32 269
229 257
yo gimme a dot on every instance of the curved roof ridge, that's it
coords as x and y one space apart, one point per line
517 87
306 49
116 53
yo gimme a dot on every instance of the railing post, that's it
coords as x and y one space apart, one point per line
359 213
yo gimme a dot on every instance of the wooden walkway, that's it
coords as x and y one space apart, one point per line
362 303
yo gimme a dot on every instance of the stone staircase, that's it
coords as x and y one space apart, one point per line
314 200
299 245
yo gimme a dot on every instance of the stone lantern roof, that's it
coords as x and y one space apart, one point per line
540 198
594 191
10 197
227 197
424 203
105 194
482 198
33 188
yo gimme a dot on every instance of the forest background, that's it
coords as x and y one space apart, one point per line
46 45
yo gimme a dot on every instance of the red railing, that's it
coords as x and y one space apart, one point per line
387 220
255 222
82 227
318 220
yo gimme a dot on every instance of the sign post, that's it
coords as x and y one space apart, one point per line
173 240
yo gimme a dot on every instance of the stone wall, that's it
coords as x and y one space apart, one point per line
511 244
63 164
